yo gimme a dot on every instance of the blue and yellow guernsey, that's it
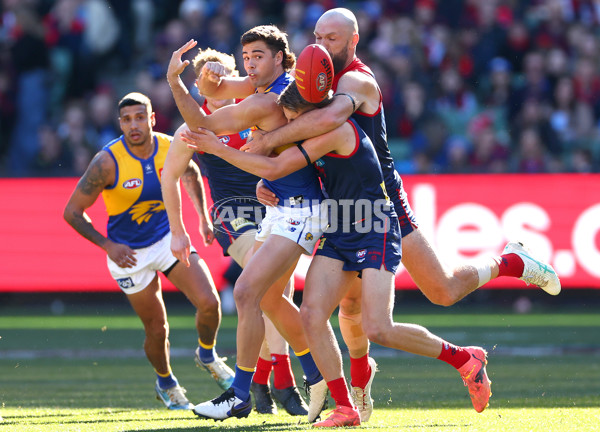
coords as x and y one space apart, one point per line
134 203
300 187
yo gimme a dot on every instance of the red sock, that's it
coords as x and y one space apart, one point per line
360 371
454 355
510 265
282 371
339 392
263 371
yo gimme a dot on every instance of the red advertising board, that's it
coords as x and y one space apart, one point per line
466 217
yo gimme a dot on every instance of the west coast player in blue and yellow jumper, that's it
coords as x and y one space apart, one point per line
127 173
267 59
235 216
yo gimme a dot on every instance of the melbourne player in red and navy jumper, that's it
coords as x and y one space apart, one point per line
357 179
235 209
374 126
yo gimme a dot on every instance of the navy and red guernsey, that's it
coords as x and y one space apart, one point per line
374 126
225 180
351 178
364 230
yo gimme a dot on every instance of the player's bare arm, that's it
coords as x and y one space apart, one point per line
99 174
194 186
273 168
176 163
352 94
259 110
216 82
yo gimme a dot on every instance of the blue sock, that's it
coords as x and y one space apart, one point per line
241 383
166 382
207 355
311 371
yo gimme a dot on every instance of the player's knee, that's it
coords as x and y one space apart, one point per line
157 329
210 305
244 295
311 317
377 331
350 307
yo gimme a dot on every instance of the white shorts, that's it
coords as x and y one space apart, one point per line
153 258
303 225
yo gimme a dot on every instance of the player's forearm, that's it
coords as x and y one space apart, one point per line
261 166
83 225
194 186
308 125
172 199
207 87
187 106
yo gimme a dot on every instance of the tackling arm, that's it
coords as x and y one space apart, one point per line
354 90
270 168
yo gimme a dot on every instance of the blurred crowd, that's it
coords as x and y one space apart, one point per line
469 86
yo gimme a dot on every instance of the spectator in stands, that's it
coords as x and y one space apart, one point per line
508 52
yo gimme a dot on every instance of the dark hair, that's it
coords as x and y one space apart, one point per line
291 99
135 98
275 39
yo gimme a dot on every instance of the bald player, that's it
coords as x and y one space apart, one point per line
357 95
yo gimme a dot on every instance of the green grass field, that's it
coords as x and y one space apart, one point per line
86 371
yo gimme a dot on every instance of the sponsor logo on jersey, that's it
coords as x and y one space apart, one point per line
132 183
125 283
308 237
148 168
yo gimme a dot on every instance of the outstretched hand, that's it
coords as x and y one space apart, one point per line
202 140
176 65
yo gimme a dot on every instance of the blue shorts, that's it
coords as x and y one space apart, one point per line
232 221
359 251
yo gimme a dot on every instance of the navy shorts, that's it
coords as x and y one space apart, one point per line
359 251
231 222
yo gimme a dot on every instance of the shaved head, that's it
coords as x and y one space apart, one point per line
337 31
342 17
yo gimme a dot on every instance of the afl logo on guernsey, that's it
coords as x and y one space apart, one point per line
132 183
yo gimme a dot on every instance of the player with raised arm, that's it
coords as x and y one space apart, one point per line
366 243
235 215
126 172
288 230
357 95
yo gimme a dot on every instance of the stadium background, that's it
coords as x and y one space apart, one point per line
492 108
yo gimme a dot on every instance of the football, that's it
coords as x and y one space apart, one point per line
314 73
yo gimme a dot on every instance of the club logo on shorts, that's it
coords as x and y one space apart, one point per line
308 237
125 283
361 254
321 81
132 183
321 243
